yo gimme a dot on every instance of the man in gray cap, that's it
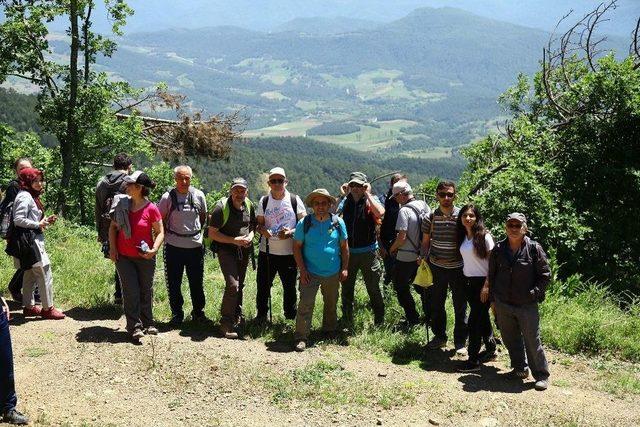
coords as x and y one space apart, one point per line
518 277
362 212
321 252
232 226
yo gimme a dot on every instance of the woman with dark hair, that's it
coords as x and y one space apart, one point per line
26 244
475 243
133 247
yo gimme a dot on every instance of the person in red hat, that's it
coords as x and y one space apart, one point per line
26 245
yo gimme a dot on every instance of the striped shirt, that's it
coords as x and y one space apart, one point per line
444 238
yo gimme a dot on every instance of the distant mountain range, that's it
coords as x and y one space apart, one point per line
269 15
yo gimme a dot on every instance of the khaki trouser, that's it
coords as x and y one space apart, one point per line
329 288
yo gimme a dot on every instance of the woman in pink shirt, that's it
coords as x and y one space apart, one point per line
135 235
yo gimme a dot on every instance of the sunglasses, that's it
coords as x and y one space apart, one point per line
447 195
277 181
355 185
514 226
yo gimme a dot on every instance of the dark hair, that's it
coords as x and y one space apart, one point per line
396 177
479 231
446 184
145 191
122 161
21 159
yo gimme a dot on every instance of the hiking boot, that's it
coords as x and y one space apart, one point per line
485 356
228 333
52 313
32 311
469 366
541 385
300 346
137 335
12 416
176 320
151 330
199 318
522 374
436 343
461 351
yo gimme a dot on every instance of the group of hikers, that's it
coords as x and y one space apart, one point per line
386 241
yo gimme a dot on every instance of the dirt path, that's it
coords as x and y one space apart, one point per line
83 371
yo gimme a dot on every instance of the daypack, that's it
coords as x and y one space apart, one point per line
173 195
422 215
226 210
307 223
6 213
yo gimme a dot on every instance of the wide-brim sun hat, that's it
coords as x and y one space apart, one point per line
318 192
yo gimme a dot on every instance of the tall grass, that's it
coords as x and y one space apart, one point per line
577 317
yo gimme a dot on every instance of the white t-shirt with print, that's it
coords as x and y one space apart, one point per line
279 214
474 266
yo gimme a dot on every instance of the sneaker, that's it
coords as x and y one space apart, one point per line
522 374
53 313
461 351
137 335
151 330
12 416
469 366
33 311
484 356
541 385
436 343
228 333
300 346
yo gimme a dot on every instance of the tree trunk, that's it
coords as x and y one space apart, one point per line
67 143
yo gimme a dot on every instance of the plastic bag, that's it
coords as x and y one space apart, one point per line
424 277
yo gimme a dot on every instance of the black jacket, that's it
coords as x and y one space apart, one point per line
361 225
520 278
388 231
108 187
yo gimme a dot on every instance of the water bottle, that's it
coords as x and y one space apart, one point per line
144 248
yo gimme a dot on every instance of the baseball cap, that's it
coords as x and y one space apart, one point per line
139 177
517 216
277 171
239 182
401 187
358 178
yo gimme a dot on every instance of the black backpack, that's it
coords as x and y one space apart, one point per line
6 212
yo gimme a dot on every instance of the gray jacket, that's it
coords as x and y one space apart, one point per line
25 211
120 213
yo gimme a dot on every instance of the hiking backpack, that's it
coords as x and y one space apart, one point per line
421 215
173 196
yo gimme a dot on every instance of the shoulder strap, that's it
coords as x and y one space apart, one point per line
335 222
265 201
306 224
294 204
225 210
416 246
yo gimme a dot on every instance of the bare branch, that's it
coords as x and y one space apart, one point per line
635 44
486 178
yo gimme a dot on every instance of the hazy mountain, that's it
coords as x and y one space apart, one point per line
325 25
267 15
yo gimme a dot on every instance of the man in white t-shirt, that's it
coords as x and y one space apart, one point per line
277 214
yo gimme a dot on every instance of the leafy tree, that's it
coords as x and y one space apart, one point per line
570 157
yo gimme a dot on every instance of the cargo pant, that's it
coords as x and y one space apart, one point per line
233 263
329 287
371 267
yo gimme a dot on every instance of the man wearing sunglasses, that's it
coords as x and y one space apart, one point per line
362 212
518 277
277 215
440 241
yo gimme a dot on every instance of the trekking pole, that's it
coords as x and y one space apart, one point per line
268 278
382 176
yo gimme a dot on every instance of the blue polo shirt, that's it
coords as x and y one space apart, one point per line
321 245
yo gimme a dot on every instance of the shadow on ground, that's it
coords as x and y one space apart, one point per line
101 312
102 334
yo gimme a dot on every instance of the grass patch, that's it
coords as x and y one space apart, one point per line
327 383
36 351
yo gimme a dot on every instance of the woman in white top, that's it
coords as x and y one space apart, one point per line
475 246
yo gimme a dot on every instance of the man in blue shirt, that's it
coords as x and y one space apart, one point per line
321 251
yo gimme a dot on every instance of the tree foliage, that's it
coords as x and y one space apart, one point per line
569 157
